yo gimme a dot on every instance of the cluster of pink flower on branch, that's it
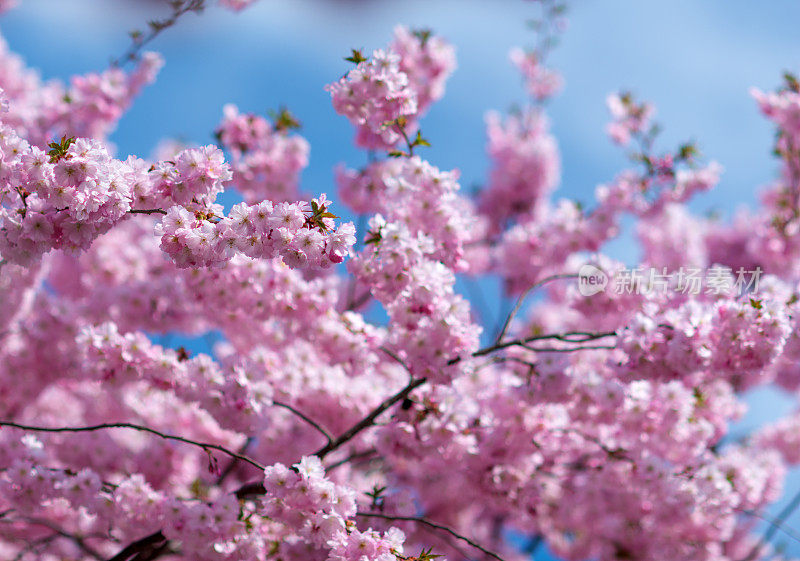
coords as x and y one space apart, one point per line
66 197
596 422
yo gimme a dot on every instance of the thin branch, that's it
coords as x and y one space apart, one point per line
514 359
522 298
147 211
568 337
204 445
430 524
355 303
568 350
451 542
253 489
139 40
774 523
370 419
350 458
396 358
774 526
613 453
150 547
77 540
307 419
403 132
36 545
233 461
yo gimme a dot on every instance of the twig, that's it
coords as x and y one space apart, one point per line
147 211
77 540
450 541
204 445
35 545
350 458
232 464
515 359
568 337
430 524
403 132
305 418
356 303
150 546
396 358
568 350
179 8
370 419
774 526
522 298
774 523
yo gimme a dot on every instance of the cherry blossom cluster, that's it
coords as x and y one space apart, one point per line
371 411
90 106
782 107
540 81
64 200
428 61
398 268
629 117
67 197
526 255
737 340
376 97
266 160
300 233
426 200
525 166
385 94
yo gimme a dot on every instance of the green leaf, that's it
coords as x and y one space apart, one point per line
376 492
791 81
374 238
356 57
59 149
283 120
426 555
423 35
419 141
687 151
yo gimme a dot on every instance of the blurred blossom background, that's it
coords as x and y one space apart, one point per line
694 60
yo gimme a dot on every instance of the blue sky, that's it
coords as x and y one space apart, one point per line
694 60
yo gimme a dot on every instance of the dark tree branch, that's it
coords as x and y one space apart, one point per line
147 211
774 525
522 298
140 40
204 445
426 522
305 418
143 549
370 419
